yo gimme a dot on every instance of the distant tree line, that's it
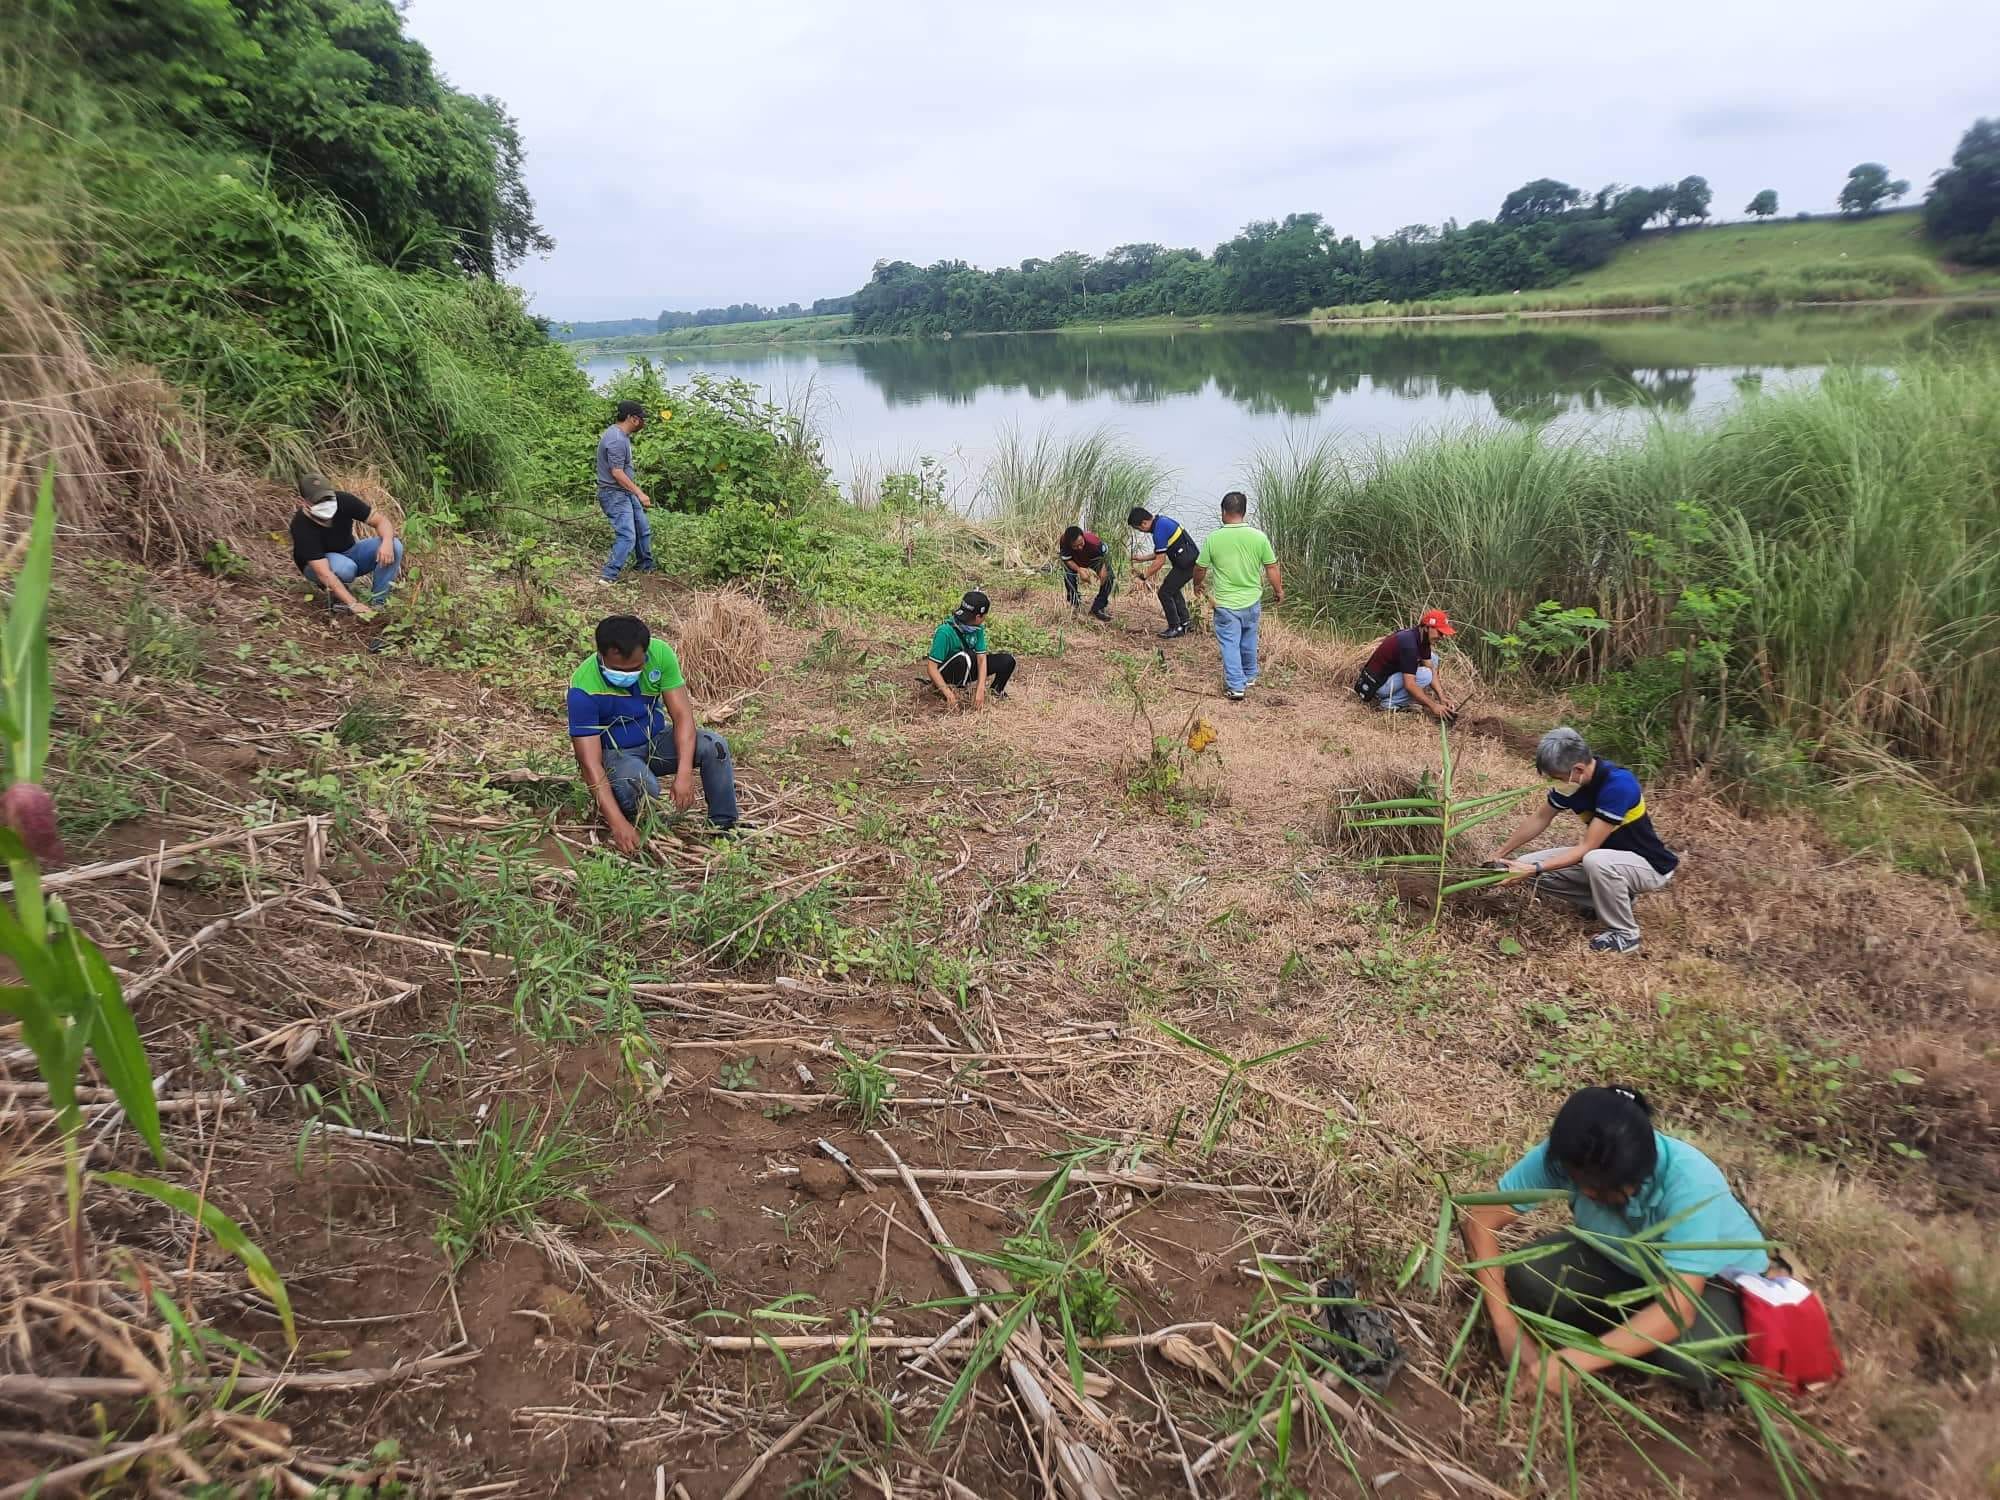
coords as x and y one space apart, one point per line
708 317
1544 232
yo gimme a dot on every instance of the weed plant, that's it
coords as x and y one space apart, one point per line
1039 484
864 1085
513 1169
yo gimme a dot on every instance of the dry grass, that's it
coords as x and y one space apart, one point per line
1369 784
724 643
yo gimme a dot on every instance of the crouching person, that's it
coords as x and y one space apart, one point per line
325 550
1621 855
631 723
1652 1214
959 657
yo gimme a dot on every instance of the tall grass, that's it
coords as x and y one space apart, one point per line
1041 484
1813 281
1859 518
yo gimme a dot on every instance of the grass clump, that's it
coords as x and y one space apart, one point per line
864 1085
504 1179
1041 484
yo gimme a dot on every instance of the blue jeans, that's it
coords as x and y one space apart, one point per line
1236 634
1393 694
359 561
636 773
630 530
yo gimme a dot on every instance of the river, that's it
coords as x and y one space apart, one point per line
1201 400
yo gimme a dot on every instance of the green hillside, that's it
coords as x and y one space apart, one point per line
769 331
1668 257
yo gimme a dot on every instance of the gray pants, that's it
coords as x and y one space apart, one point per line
1607 879
1574 1281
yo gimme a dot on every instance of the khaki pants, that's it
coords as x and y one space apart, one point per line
1607 879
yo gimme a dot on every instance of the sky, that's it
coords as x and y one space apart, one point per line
772 151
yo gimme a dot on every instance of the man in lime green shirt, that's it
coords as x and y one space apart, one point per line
1240 557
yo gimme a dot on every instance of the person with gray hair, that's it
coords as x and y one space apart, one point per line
1621 855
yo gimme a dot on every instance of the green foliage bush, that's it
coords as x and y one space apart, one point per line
712 442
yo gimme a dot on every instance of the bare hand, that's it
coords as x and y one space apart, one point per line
362 611
951 700
1519 867
385 554
624 837
979 696
645 500
683 789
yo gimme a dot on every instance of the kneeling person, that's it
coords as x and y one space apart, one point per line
631 722
1621 855
1403 669
1083 556
959 656
324 548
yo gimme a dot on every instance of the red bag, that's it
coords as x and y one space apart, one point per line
1787 1331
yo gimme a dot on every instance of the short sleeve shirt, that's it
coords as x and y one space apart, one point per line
311 541
950 638
625 717
1403 651
1684 1182
1166 531
614 451
1087 550
1237 555
1614 794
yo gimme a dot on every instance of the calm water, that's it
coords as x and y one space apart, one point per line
1203 400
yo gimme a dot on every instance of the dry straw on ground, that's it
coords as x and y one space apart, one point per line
724 643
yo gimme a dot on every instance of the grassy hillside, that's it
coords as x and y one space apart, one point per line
1665 258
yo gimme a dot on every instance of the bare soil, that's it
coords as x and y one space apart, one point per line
573 1352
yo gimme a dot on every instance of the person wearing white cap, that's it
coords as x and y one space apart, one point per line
325 550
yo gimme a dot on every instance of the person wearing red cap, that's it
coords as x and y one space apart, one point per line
1403 667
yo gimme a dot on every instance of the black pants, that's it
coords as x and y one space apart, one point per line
1073 588
1573 1282
1173 598
959 670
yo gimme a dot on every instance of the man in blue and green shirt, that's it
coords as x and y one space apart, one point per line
631 722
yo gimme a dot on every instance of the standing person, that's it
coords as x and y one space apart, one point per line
1621 855
1173 547
1626 1182
959 656
1403 668
618 495
1240 557
324 548
631 722
1083 556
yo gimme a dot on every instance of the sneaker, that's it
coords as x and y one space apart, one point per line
1000 693
1614 942
1234 695
1173 632
1101 614
606 583
1251 683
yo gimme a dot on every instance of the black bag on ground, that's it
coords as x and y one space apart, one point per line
1361 1341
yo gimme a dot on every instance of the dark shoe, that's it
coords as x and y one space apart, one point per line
1101 614
1614 942
998 692
1173 632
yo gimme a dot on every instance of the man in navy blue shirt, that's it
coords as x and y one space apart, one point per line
1172 548
1621 855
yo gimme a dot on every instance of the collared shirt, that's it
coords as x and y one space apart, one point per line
1237 554
626 717
614 451
1684 1182
1613 794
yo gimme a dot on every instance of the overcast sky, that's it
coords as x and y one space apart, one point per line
772 150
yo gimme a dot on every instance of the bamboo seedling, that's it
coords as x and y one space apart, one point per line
1444 811
1223 1111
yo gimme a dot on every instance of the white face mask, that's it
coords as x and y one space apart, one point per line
324 511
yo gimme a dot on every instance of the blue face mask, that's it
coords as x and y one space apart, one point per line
616 678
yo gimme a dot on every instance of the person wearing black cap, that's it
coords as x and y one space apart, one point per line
959 657
1084 555
324 548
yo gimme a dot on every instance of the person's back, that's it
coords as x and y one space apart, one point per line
614 451
1237 553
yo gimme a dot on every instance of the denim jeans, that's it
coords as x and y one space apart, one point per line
359 560
636 773
1394 694
1236 634
630 531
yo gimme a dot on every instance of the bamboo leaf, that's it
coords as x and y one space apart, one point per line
227 1232
1476 883
1258 1062
1440 1243
1393 804
1408 820
24 657
114 1040
1186 1039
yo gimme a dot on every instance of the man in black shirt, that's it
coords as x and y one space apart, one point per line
325 550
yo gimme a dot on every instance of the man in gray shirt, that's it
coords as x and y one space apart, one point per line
624 504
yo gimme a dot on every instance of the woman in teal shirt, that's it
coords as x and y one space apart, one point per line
1626 1182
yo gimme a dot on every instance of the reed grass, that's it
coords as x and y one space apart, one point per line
1860 517
1043 482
